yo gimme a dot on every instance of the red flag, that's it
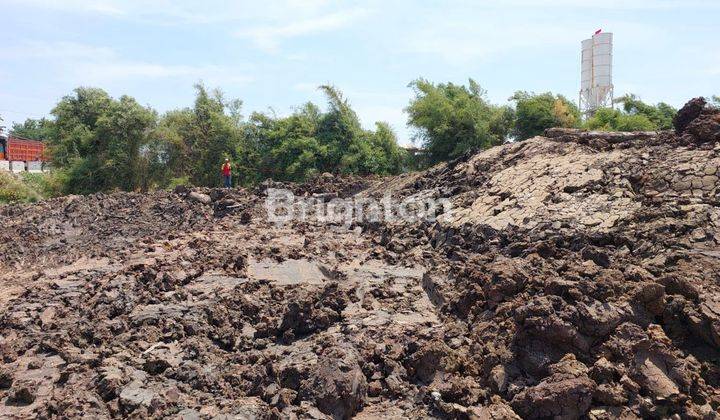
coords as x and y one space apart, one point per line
598 31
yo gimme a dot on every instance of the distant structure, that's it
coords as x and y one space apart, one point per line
596 87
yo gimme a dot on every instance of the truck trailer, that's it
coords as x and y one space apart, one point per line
22 149
17 152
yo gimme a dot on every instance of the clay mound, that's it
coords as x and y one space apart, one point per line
575 277
697 122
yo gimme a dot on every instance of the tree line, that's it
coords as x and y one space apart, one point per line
451 119
100 143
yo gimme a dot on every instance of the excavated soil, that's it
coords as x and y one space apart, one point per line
576 276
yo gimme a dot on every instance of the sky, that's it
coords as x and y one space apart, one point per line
273 54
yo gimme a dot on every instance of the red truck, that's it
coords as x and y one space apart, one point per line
20 149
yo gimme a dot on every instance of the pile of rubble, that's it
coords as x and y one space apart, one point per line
575 276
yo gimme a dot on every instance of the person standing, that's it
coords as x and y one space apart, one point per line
227 174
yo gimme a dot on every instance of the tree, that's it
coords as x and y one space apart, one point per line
388 157
536 112
36 129
635 115
173 141
607 119
287 148
309 142
76 119
338 129
98 141
216 135
350 148
661 115
715 101
121 136
196 140
451 119
298 158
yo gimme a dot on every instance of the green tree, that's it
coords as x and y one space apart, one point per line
121 135
287 148
100 143
99 140
261 137
388 157
309 142
338 129
451 119
661 115
173 142
715 101
606 119
536 112
216 136
351 149
76 118
196 140
298 158
36 129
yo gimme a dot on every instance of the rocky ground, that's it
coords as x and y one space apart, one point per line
576 276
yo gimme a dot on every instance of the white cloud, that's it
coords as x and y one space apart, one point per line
213 11
465 43
460 43
56 50
88 64
713 60
107 72
164 12
105 7
268 37
266 24
613 4
306 86
394 115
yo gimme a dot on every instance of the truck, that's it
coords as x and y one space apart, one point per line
21 154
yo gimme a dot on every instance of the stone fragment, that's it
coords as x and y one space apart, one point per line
200 197
567 393
21 394
336 383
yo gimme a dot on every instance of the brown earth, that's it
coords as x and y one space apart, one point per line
576 276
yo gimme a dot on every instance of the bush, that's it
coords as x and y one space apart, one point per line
181 180
660 115
536 112
28 187
14 189
452 119
48 184
607 119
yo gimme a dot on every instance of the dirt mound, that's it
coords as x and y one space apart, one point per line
697 122
575 277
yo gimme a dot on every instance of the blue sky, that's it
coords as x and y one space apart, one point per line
273 54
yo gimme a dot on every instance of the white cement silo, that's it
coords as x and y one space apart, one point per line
596 86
